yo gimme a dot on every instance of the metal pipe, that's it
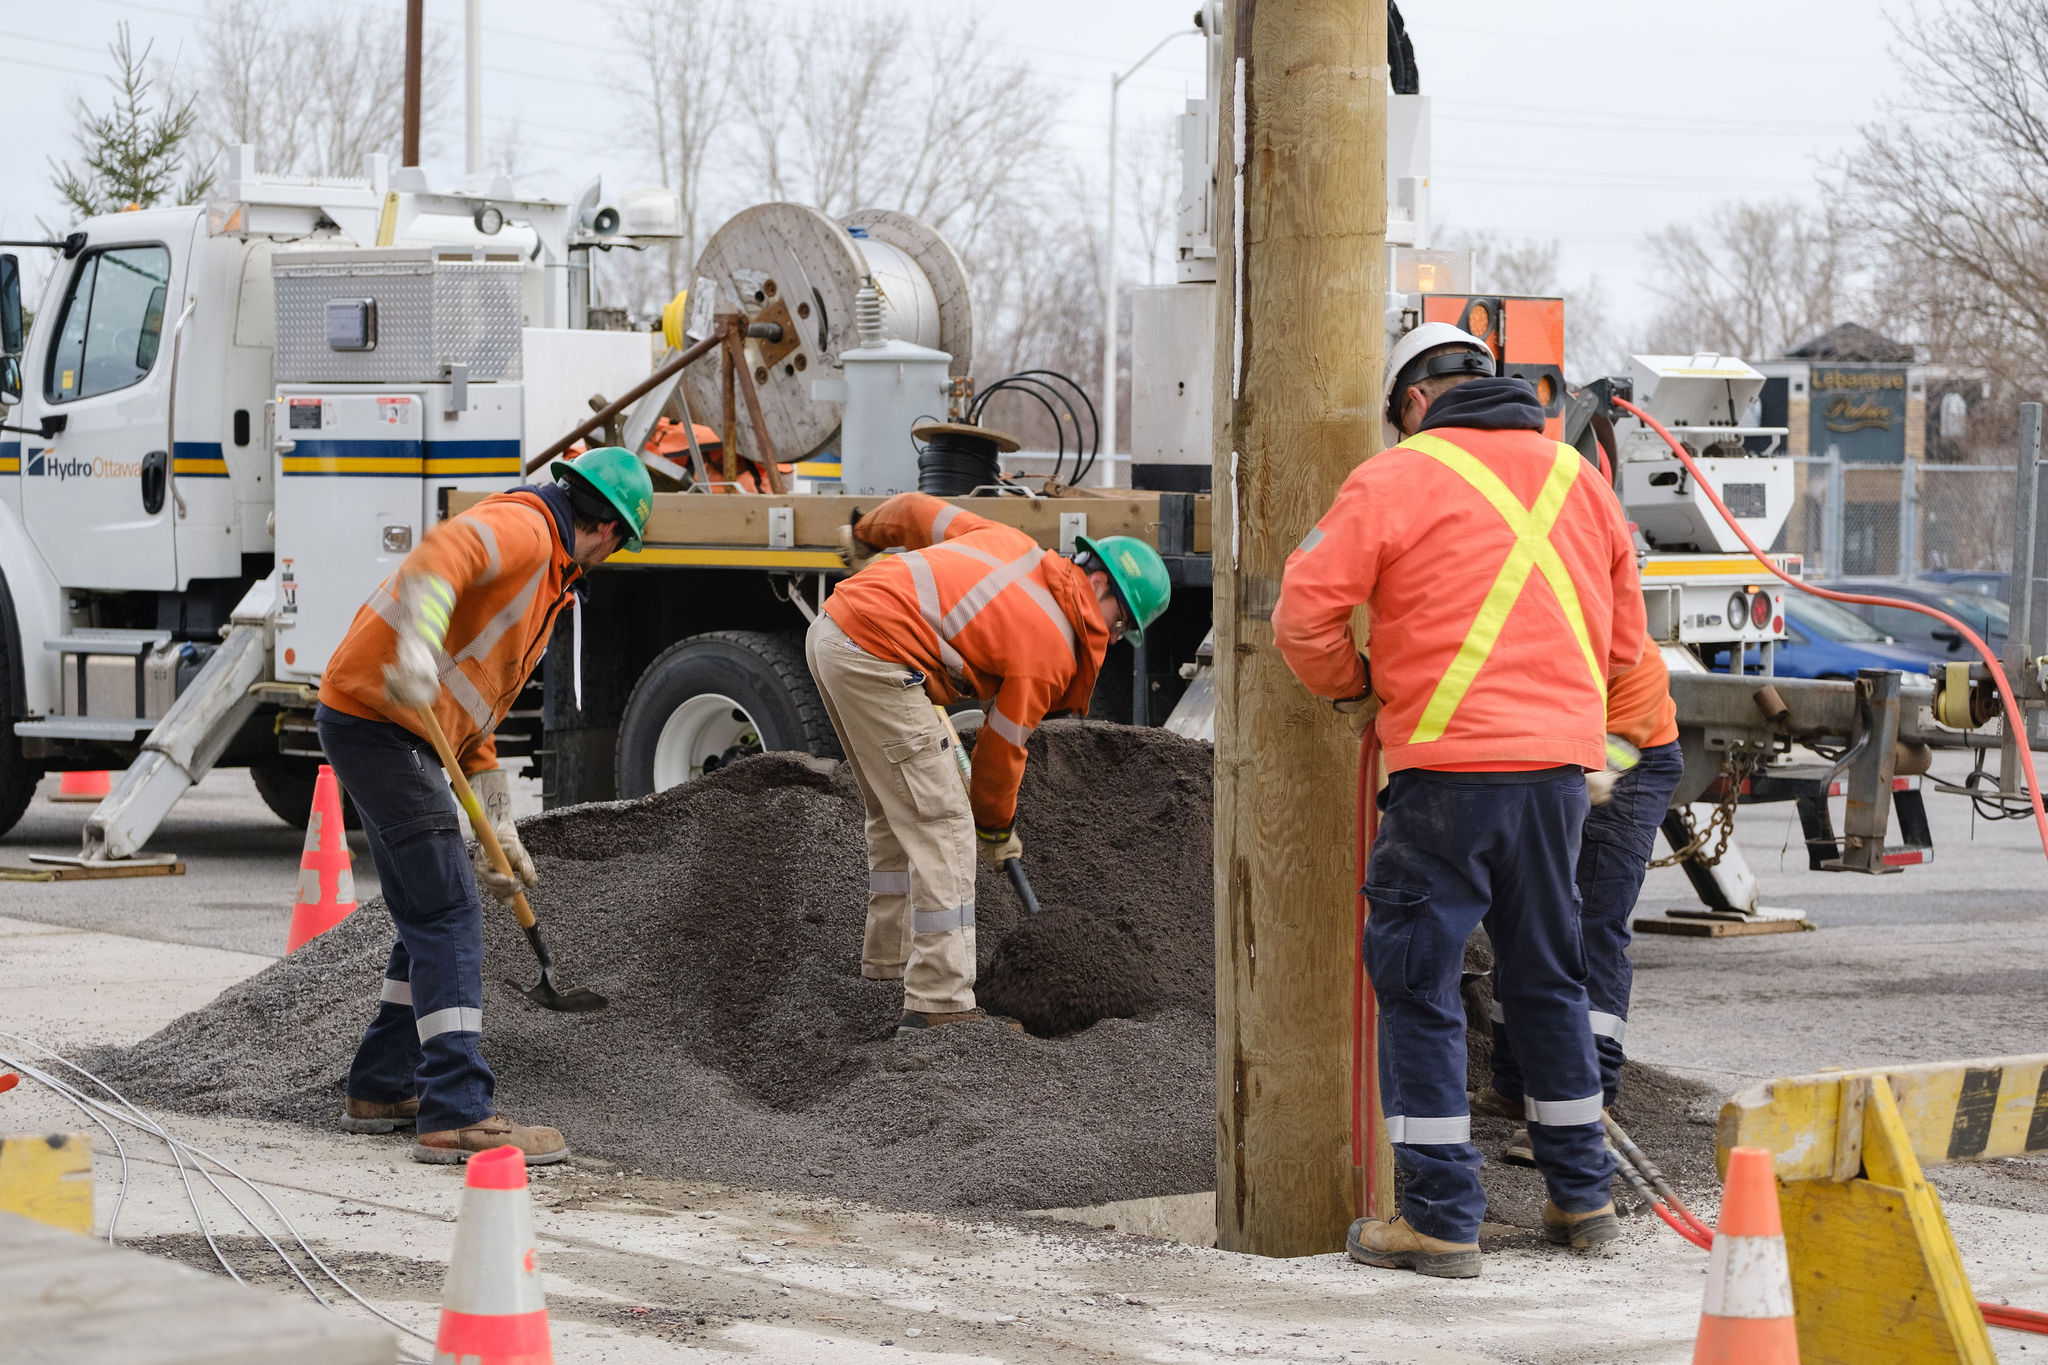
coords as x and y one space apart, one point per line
473 87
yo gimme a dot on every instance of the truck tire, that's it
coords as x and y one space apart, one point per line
716 698
286 786
18 776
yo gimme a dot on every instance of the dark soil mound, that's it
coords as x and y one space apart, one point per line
723 919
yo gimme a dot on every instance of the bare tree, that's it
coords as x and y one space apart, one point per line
1950 187
314 96
680 52
1755 278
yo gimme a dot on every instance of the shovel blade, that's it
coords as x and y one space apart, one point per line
576 1000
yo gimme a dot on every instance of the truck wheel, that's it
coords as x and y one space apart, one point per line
18 776
714 699
286 786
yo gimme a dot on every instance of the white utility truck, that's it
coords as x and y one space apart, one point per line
226 426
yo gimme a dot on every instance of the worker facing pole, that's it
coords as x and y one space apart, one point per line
1302 283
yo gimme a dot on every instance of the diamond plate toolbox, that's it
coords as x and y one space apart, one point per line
424 309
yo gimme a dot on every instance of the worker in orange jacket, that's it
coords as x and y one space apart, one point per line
1500 579
971 607
458 628
1644 768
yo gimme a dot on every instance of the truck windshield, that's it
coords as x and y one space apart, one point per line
111 324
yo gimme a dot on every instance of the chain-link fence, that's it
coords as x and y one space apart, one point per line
1859 521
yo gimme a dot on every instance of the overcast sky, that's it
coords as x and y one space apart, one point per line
1588 121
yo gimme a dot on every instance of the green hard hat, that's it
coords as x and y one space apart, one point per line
615 474
1140 577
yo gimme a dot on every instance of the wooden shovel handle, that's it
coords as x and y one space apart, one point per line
485 835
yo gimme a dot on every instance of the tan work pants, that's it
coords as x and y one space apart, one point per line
920 830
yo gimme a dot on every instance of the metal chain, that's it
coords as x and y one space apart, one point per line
1720 827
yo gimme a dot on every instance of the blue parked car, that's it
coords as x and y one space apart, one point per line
1983 582
1827 640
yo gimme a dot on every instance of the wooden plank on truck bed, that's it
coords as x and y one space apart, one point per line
685 525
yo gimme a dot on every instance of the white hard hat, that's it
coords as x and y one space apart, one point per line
1404 366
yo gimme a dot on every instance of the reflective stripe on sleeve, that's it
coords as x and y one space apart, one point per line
485 534
942 921
456 1019
1007 728
396 992
1562 1113
1414 1132
1532 552
943 518
1607 1025
889 883
1312 539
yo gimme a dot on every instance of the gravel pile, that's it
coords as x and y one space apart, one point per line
723 919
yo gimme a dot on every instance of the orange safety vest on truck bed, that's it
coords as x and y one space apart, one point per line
1503 595
979 608
511 574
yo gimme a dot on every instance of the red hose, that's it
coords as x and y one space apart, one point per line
2015 721
1996 1315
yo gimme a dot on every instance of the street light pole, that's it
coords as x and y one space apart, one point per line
1116 84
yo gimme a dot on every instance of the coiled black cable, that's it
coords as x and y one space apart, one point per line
954 464
1056 393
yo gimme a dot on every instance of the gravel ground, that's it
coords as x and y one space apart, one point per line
723 920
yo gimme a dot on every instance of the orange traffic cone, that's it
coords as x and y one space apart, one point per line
1747 1316
492 1311
327 881
84 786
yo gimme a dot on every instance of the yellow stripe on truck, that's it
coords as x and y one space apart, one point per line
473 464
353 464
731 558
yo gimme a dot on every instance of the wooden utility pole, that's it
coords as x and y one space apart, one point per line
1302 206
415 22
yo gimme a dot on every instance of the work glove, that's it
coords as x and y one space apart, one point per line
1360 708
1621 757
413 680
494 794
856 554
997 846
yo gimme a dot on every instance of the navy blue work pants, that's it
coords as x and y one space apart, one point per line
1455 850
426 1037
1613 857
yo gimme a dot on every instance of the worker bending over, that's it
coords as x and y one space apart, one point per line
1500 580
1614 855
458 628
972 607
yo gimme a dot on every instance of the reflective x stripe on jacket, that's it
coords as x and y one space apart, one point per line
510 573
981 610
1501 592
1533 550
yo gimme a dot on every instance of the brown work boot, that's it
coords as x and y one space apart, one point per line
1395 1245
1589 1231
368 1116
453 1146
916 1020
1490 1103
1518 1152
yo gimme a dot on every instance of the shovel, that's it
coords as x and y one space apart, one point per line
1013 867
543 992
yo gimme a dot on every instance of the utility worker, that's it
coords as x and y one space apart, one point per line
971 607
1629 802
458 628
1502 592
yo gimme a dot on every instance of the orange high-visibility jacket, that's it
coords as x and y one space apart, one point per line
1500 578
511 574
980 609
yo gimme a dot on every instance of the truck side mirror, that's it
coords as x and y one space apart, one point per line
11 339
10 381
